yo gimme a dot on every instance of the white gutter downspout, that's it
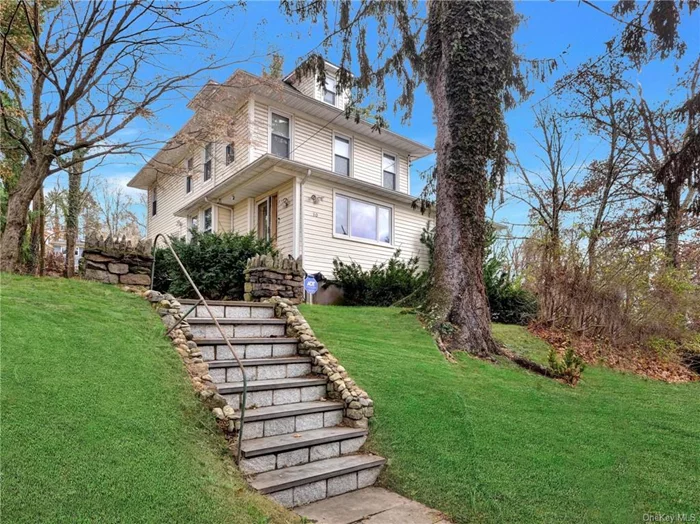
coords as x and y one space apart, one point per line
309 298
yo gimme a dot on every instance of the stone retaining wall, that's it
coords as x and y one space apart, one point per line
116 261
267 277
358 406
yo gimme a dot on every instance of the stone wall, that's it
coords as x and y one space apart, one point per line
358 406
116 261
267 277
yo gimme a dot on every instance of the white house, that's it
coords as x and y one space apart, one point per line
278 157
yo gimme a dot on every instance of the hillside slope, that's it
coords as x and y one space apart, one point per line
493 443
99 422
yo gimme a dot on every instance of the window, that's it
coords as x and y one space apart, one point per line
389 171
329 91
193 222
207 220
230 153
154 202
264 220
341 155
279 136
358 219
208 159
188 184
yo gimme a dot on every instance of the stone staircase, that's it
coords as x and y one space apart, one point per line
295 448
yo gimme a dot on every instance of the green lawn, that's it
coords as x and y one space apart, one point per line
99 422
493 443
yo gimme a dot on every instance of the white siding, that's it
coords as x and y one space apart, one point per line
313 145
320 246
223 221
285 219
261 130
241 218
172 193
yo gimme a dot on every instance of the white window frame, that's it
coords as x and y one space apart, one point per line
335 93
351 164
364 200
397 164
285 114
204 163
204 220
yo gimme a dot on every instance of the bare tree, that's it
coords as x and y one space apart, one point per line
104 53
548 192
601 102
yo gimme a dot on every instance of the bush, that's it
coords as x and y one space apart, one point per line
216 263
509 302
568 368
383 285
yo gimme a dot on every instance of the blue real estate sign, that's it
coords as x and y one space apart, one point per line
310 285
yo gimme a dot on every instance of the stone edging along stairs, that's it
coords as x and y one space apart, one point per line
305 420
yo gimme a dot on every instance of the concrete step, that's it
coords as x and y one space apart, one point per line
230 309
300 485
276 392
260 347
288 418
291 449
259 369
204 328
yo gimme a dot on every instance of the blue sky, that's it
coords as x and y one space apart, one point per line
566 30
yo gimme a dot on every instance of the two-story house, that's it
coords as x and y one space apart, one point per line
287 164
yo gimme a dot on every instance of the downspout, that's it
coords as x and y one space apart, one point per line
301 225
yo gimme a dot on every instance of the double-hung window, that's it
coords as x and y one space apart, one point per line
329 91
279 135
154 201
188 179
208 220
389 171
230 153
364 220
341 155
208 160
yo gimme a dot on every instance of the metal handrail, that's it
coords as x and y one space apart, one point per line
211 314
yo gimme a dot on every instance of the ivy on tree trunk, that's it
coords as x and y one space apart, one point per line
468 54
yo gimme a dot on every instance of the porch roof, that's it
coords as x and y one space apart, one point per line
268 172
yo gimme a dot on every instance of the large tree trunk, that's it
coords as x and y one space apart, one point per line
19 198
467 47
73 212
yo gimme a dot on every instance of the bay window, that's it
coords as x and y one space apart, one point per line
363 220
280 136
341 155
389 171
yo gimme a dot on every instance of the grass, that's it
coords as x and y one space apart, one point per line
99 422
490 442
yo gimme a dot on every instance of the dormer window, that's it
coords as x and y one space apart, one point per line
329 91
